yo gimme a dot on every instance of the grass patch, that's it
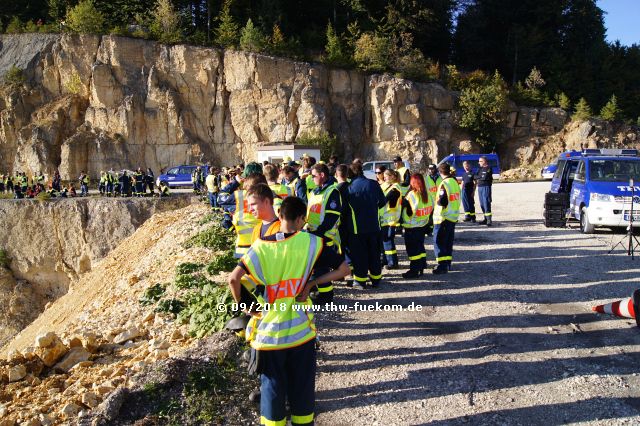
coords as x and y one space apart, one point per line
152 294
188 268
4 258
185 281
207 310
215 238
222 263
170 306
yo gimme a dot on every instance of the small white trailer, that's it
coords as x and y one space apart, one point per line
278 153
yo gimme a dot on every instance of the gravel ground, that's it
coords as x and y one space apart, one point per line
508 337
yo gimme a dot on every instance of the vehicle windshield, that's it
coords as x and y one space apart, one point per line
614 170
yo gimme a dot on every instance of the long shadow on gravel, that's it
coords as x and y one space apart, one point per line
483 377
568 413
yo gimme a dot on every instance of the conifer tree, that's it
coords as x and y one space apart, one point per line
251 38
611 111
583 110
227 30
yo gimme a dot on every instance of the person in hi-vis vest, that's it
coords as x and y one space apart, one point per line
284 334
445 217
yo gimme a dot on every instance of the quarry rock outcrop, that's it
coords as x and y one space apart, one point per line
97 102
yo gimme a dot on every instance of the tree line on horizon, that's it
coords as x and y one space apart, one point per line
535 52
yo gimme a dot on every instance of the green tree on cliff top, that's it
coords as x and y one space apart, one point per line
227 30
84 18
611 111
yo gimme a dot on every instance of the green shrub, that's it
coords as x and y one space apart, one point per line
15 26
563 101
84 18
165 25
4 258
152 294
482 109
227 30
222 263
30 27
251 38
14 76
188 268
43 196
120 30
373 52
277 44
185 281
74 84
328 143
583 110
170 306
611 111
335 50
208 310
215 238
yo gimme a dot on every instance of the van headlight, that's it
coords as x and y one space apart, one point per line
601 197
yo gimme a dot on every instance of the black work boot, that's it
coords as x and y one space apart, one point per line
488 221
467 218
483 221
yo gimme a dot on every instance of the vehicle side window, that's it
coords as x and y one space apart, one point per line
580 172
173 171
186 170
558 173
367 167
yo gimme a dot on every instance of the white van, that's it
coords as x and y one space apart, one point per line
369 168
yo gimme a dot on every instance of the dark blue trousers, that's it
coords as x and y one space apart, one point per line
288 374
468 204
484 194
414 242
443 234
364 251
389 246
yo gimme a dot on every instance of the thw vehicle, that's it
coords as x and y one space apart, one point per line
456 161
549 170
595 187
180 175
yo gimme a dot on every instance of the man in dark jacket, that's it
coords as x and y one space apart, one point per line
365 240
484 179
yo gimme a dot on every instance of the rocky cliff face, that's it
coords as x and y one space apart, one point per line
92 103
52 243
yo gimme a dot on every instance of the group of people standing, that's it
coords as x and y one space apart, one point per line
300 227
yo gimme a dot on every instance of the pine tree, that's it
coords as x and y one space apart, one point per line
333 48
251 38
227 30
611 111
85 18
563 101
166 22
277 42
583 110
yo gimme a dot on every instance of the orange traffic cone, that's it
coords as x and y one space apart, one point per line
625 308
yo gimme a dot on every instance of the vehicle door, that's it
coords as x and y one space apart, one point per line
368 170
172 175
578 189
184 175
557 176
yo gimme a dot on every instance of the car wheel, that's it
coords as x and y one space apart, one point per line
585 226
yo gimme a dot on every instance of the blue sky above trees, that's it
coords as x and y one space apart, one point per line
622 20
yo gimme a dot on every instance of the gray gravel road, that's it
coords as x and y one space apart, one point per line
508 337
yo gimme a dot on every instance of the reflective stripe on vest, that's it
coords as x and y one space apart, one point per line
452 211
421 211
390 216
244 222
280 192
317 209
286 323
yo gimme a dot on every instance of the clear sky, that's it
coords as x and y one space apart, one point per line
622 20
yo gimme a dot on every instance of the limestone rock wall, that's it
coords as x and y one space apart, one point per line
93 103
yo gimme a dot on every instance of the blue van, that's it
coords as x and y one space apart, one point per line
549 170
597 184
180 175
456 161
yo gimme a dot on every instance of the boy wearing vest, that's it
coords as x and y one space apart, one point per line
285 333
445 217
390 217
416 210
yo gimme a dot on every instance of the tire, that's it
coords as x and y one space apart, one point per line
585 226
